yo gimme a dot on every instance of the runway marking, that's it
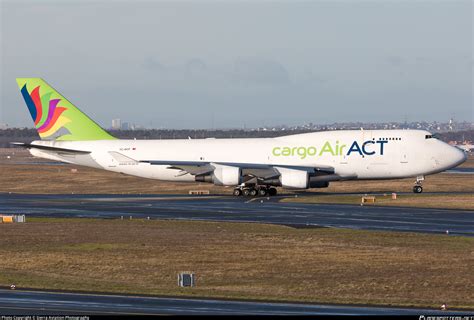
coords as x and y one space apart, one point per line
251 200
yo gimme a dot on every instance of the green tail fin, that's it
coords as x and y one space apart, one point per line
54 116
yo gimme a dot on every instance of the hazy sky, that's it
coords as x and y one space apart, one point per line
199 64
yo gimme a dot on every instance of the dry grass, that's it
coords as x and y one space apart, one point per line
452 201
442 182
34 178
232 260
61 180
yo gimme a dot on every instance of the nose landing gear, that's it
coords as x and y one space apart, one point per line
418 188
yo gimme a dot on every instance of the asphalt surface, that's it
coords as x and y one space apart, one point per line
58 303
240 209
461 170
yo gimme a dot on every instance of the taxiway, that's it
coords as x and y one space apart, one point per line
230 209
61 303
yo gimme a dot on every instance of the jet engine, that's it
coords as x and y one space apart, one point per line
291 178
222 176
226 175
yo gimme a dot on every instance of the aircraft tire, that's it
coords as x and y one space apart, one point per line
417 189
237 192
272 192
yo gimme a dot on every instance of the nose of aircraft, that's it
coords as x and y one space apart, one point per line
456 156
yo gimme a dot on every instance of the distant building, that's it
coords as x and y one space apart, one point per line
116 124
3 126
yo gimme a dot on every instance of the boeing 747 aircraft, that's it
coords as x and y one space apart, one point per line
253 166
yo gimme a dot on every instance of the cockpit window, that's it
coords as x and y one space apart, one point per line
432 136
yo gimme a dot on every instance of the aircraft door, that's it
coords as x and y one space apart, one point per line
404 155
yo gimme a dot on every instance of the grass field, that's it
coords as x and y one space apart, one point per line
451 201
247 261
469 162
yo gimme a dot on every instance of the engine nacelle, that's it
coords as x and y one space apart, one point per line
322 180
295 179
226 175
318 184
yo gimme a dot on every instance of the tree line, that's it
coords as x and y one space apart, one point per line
28 135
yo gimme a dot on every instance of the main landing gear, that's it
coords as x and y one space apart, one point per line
418 188
261 191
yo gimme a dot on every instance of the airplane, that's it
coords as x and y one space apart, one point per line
253 166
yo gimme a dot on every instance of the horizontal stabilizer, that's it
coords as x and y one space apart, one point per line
48 148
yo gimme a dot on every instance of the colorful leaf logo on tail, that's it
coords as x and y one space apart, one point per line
55 117
46 113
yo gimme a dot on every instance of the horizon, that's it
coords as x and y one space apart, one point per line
283 127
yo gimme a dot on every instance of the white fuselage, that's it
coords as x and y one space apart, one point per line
355 154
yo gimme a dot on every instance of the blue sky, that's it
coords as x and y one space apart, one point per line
229 64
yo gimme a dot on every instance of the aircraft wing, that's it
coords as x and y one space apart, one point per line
256 170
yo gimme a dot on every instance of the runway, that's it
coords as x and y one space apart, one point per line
232 209
58 303
461 170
